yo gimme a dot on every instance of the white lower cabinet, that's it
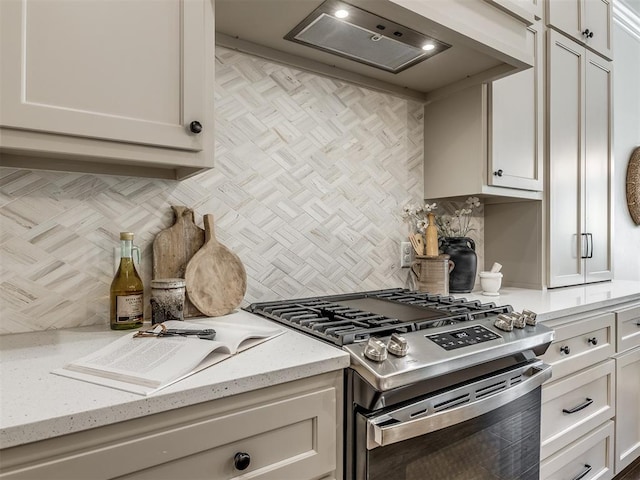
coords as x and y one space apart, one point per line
578 406
628 408
590 426
589 458
283 432
627 360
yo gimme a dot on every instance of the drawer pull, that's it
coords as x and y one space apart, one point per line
587 469
593 341
241 460
565 349
579 407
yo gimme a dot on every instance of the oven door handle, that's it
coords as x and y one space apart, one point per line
385 429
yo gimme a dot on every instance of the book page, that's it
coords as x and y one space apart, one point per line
145 365
147 361
237 336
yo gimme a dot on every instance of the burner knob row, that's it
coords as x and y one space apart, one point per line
507 321
376 350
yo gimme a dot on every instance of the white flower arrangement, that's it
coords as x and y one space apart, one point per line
417 215
456 225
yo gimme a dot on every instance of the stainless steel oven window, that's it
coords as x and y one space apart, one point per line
501 444
485 429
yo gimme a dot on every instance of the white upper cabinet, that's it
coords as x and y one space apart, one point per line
488 139
488 40
516 124
520 8
587 21
111 83
579 164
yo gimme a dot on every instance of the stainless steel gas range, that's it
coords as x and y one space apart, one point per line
438 387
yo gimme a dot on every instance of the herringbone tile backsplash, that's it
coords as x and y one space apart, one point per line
311 175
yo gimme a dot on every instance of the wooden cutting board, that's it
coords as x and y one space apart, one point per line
216 279
174 247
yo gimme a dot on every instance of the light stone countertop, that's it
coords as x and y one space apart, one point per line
36 404
560 302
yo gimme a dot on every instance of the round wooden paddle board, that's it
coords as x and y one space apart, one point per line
216 280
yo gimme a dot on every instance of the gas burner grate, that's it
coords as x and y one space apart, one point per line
332 319
340 324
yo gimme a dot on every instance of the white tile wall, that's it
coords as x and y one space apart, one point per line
310 178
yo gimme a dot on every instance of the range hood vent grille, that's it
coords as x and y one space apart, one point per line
364 37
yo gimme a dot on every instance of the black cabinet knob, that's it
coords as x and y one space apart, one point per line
498 173
593 341
241 460
588 33
565 349
195 127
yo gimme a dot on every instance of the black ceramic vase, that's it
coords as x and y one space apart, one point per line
462 251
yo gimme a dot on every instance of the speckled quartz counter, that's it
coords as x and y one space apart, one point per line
559 302
36 405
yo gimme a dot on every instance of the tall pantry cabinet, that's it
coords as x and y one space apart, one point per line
579 147
579 136
567 238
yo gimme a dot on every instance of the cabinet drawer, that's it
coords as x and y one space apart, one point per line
627 328
580 344
591 455
576 405
292 437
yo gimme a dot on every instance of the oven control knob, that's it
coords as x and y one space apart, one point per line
375 350
398 345
530 317
504 322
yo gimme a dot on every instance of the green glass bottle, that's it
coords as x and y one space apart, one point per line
127 306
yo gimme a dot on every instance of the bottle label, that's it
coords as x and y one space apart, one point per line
129 308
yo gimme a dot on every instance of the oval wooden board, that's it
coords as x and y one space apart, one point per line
633 186
215 277
174 247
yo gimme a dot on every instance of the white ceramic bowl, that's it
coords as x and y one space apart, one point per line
490 283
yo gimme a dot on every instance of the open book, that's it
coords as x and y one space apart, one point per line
145 365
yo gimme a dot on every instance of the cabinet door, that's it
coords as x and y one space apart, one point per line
119 71
598 118
566 160
587 21
516 125
598 20
627 411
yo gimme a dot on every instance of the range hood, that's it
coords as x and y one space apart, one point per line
380 43
345 30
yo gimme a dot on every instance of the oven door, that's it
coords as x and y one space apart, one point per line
485 429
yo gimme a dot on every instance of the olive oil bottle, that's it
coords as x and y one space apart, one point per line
127 307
